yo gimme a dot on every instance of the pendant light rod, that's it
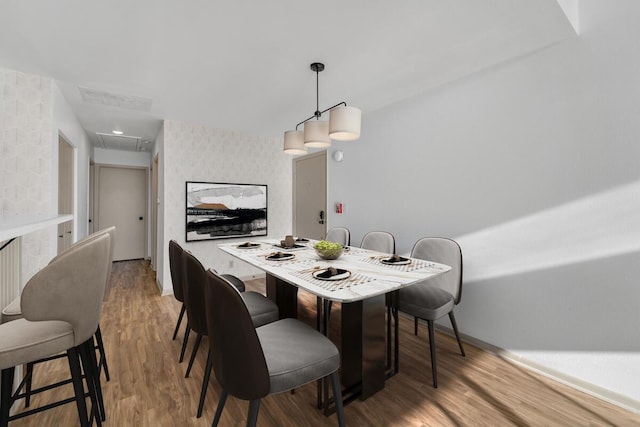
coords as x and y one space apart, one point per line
318 67
320 113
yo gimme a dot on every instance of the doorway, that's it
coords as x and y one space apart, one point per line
122 202
66 196
310 195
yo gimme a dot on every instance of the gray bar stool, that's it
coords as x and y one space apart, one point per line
61 307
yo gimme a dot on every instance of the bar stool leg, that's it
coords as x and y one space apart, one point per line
103 356
5 390
76 376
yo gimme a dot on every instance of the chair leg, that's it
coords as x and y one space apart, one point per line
432 348
103 355
5 391
223 399
337 397
175 332
254 407
184 343
76 377
92 369
455 330
415 326
205 383
29 378
196 345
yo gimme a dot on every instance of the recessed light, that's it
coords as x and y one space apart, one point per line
117 132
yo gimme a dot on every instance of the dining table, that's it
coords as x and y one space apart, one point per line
359 280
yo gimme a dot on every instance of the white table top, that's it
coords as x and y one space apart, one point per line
369 277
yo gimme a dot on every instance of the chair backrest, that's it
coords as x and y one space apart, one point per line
444 251
71 288
238 359
111 231
195 282
339 235
175 266
380 241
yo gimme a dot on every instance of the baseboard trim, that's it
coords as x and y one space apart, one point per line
591 389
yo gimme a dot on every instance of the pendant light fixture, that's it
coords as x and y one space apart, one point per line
343 125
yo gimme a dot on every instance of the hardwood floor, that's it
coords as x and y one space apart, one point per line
148 387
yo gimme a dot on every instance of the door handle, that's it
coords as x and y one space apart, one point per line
321 220
140 218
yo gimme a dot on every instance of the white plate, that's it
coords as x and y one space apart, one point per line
343 274
403 261
287 257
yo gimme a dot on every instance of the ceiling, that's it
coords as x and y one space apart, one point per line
244 65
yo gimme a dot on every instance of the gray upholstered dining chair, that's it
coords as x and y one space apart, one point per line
252 363
14 311
177 280
61 307
380 241
339 235
435 297
175 268
261 309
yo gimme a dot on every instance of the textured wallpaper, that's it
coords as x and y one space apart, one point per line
26 161
197 153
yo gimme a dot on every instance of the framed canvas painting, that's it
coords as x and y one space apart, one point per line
222 210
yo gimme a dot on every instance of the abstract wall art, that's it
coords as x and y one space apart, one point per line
222 211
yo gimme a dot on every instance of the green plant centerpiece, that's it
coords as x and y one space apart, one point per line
328 250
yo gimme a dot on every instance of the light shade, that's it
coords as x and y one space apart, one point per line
316 134
344 123
294 142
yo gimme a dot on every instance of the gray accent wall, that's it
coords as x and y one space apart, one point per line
534 167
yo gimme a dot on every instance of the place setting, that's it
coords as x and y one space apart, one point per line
395 260
331 274
280 256
249 245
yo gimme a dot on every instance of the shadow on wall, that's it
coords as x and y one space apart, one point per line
603 225
590 306
564 279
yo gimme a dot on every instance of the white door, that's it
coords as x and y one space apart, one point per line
65 193
310 195
122 201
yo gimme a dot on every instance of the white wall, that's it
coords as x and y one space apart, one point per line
27 164
534 166
33 113
158 150
197 153
66 123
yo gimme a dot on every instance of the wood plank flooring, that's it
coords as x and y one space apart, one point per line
148 387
